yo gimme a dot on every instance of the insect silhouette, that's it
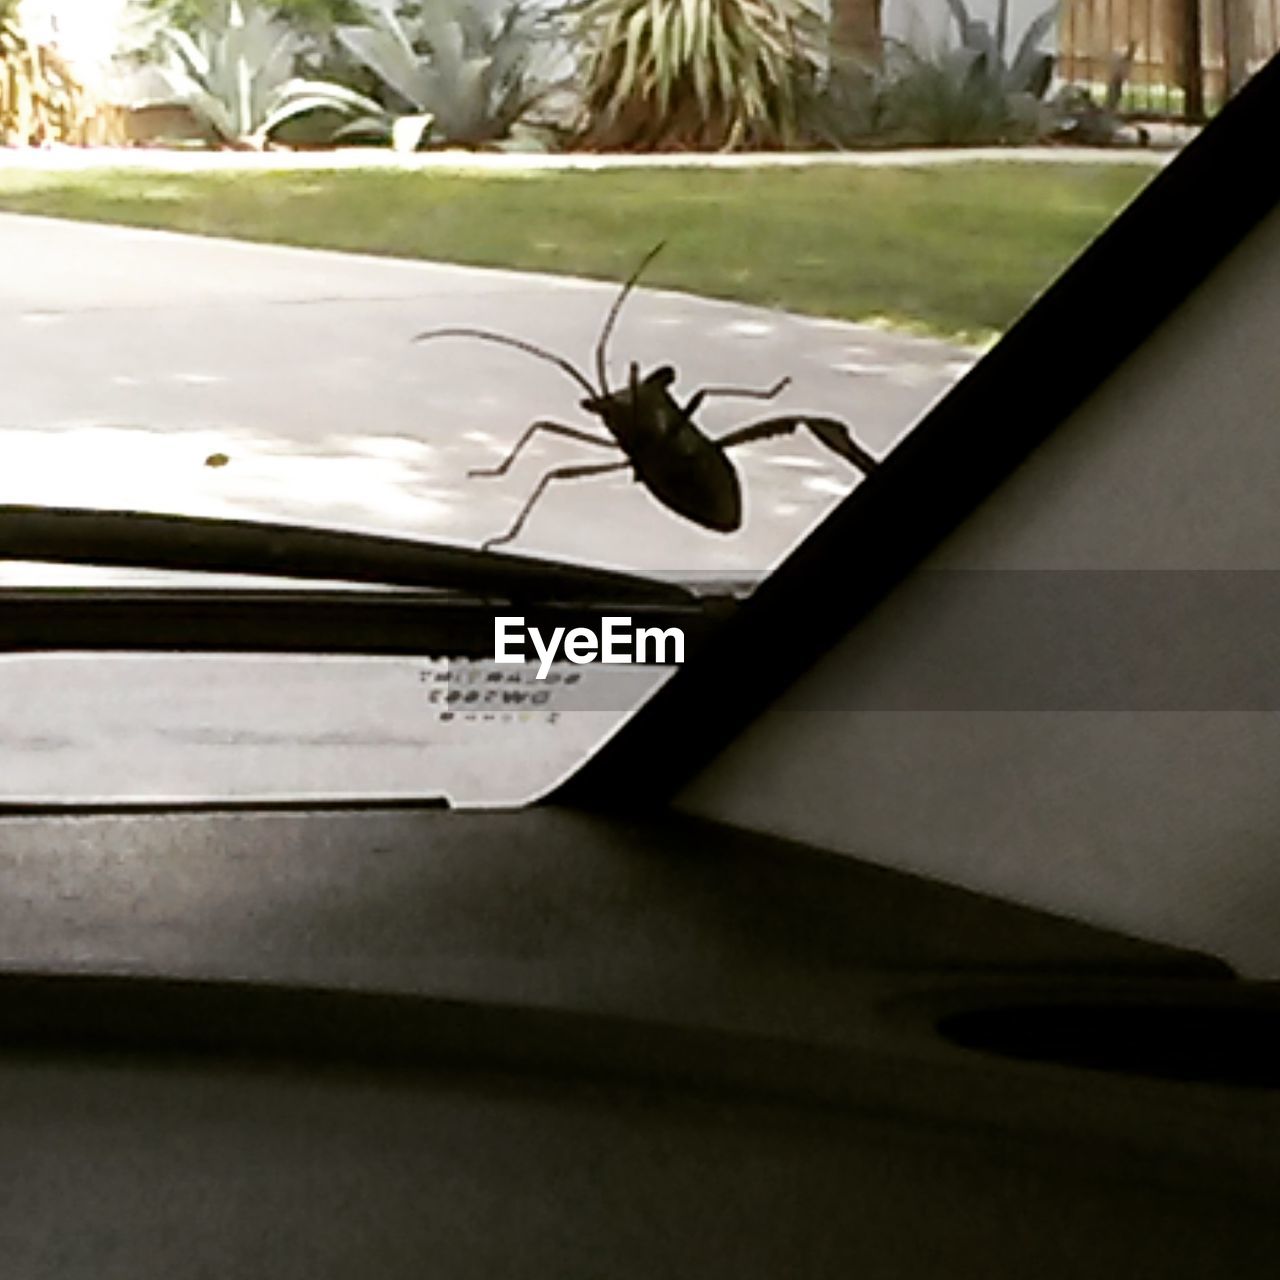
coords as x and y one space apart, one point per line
682 467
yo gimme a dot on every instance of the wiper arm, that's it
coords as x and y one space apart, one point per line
198 544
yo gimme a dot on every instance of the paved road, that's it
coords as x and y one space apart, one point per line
131 356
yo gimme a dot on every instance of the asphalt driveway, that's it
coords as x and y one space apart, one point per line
131 356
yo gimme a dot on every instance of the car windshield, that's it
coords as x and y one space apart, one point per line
484 292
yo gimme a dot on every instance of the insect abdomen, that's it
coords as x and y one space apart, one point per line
696 482
681 467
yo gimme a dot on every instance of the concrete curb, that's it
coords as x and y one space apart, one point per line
73 159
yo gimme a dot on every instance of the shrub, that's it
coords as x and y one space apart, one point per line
42 100
466 70
695 74
969 93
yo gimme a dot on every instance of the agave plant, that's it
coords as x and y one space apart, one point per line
1029 70
454 71
234 71
972 92
945 100
352 116
695 74
230 73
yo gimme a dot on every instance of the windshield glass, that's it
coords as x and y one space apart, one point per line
359 265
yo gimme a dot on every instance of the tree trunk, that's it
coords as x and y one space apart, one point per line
856 39
1238 42
1184 54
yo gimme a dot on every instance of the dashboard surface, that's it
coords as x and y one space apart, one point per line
555 1043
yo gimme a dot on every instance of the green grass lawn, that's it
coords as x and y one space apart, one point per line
957 251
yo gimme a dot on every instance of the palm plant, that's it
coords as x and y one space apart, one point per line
42 99
695 74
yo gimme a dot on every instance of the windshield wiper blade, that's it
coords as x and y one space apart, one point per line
199 544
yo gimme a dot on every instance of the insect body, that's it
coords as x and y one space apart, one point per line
683 468
687 470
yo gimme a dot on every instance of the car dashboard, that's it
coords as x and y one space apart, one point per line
550 1042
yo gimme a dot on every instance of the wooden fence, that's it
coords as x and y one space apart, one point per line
1186 56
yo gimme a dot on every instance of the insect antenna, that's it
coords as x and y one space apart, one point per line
530 348
612 318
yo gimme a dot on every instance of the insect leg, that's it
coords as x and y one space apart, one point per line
832 433
551 428
560 473
744 393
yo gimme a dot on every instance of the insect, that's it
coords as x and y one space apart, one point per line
682 467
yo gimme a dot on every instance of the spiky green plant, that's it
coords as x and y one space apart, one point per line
971 92
230 73
350 115
1029 69
949 100
235 73
468 69
695 74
